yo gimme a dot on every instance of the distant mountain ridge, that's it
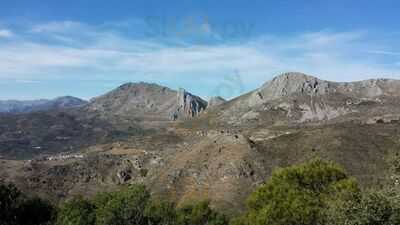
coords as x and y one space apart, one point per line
302 97
17 106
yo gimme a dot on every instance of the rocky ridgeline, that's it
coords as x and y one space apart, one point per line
297 97
301 84
301 97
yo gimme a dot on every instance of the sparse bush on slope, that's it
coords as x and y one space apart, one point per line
298 195
199 214
77 211
123 207
372 208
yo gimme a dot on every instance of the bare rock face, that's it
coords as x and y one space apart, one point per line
293 83
216 101
188 105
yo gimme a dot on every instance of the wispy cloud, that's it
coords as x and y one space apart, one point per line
380 52
27 81
57 27
329 39
73 50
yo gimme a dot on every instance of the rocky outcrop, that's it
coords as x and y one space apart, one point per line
149 102
293 83
188 105
384 119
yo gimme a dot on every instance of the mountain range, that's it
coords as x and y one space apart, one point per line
186 148
15 106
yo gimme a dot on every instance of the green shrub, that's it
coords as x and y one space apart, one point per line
77 211
395 173
373 208
199 214
160 212
298 195
122 207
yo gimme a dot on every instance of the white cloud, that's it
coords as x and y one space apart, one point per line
6 33
380 52
57 27
27 81
329 39
80 51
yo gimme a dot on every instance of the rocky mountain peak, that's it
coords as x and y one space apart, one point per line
147 100
139 84
293 83
141 88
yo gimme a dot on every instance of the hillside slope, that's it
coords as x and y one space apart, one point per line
225 152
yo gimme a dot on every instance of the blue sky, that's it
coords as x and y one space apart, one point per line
85 48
